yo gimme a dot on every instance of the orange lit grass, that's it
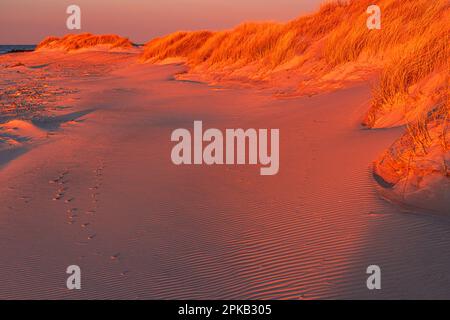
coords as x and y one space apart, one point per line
413 42
73 42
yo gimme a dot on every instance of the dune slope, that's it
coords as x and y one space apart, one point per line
72 42
409 57
104 195
412 45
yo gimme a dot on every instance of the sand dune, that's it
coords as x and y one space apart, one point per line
407 60
72 42
102 193
310 48
16 131
415 168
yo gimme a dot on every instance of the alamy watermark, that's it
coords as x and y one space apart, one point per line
374 20
374 280
74 280
229 148
73 22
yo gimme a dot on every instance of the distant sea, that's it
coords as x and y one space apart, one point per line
16 48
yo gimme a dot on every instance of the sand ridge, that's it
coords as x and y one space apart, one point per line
103 194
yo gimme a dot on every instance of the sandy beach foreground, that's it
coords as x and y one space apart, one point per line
87 180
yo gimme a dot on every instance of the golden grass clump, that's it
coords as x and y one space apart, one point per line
401 23
410 53
269 44
413 43
409 63
422 150
73 42
174 45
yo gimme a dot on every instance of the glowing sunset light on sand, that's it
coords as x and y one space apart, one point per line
223 157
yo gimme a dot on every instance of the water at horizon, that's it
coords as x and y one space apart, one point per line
16 47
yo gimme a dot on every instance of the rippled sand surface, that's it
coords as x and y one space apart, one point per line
87 179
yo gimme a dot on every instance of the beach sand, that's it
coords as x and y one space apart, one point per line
86 178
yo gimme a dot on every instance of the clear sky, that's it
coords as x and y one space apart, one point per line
29 21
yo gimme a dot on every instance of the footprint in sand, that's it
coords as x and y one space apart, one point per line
115 256
72 218
60 181
98 172
57 197
60 193
26 199
94 196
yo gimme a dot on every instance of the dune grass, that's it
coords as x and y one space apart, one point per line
422 150
269 44
411 47
424 50
412 43
73 42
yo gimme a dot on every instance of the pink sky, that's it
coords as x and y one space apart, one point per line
29 21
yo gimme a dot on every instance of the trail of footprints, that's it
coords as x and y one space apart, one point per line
62 194
74 213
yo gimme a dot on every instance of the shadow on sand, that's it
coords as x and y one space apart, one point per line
47 124
53 123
